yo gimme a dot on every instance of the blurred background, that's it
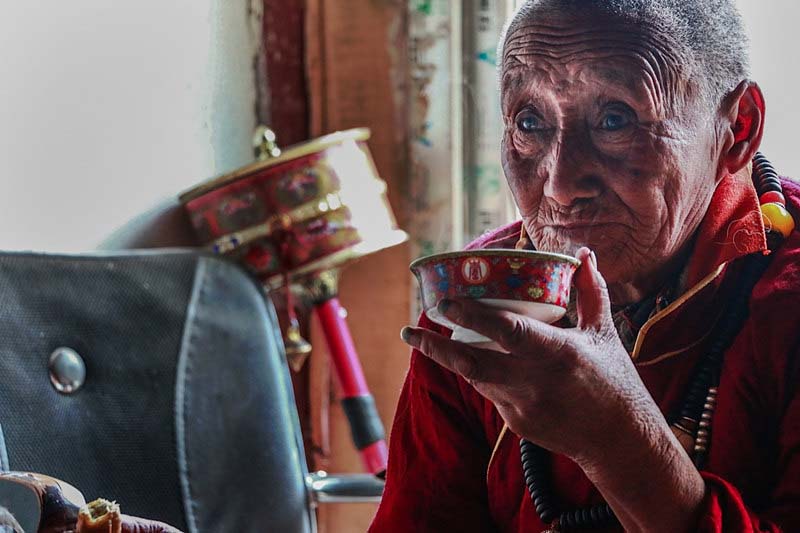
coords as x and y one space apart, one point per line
106 108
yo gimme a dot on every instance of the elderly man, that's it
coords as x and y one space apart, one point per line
669 402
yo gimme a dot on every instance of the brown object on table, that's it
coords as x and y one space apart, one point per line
100 516
103 516
53 503
61 507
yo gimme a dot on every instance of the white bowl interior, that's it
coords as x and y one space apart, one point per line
544 312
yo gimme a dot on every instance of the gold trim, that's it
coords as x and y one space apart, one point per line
330 203
336 259
496 447
322 286
672 307
489 252
293 152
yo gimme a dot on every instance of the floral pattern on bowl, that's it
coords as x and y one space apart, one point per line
536 284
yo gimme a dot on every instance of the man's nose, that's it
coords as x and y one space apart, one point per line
569 170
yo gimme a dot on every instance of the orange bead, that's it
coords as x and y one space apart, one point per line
777 218
771 197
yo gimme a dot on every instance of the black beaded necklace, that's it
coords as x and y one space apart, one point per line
693 425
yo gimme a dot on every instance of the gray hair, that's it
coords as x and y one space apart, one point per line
712 30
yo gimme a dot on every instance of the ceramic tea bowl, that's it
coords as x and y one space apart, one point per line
530 283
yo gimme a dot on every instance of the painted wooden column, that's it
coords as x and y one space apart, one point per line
357 71
282 104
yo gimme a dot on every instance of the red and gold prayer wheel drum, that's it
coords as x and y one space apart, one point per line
292 218
314 207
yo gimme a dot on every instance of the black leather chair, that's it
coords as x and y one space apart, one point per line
156 379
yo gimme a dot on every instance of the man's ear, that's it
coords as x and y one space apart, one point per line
743 114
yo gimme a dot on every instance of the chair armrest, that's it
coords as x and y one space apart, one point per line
344 488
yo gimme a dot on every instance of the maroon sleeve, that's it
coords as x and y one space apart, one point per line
725 511
724 508
438 455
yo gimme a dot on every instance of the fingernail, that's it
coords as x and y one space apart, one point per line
406 334
593 259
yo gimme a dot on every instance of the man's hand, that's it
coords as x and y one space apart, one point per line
560 388
131 524
576 392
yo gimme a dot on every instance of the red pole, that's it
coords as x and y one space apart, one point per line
358 403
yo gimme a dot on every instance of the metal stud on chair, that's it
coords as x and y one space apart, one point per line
67 370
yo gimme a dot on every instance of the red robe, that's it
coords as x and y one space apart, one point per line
454 467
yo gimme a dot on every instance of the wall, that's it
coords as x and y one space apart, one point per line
105 107
776 67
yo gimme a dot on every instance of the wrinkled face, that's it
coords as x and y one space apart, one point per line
605 143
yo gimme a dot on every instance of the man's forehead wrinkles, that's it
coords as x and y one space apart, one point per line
561 78
643 36
583 27
640 45
522 33
658 65
523 73
611 64
597 54
651 47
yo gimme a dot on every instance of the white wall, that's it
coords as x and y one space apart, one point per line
106 107
776 67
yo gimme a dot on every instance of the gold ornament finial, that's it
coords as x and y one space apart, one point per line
297 348
264 144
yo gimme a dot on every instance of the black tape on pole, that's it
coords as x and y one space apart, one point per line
365 424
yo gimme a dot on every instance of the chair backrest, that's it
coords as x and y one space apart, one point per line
186 414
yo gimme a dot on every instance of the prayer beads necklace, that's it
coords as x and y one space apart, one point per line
693 425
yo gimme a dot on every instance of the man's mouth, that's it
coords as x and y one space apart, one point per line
575 226
585 232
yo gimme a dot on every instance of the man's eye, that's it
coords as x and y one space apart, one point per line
529 122
614 121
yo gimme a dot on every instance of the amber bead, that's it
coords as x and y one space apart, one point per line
777 218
